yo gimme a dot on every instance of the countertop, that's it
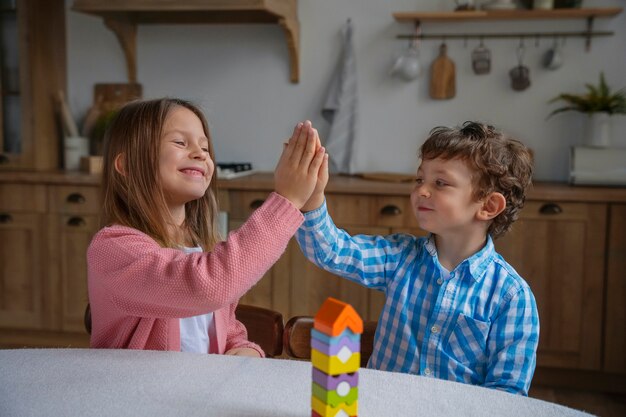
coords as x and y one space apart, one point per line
263 181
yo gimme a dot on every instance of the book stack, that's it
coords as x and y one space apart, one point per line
230 170
598 166
336 358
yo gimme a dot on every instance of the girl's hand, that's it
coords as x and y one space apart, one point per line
243 352
297 171
317 198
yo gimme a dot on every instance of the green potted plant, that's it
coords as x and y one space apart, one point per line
599 104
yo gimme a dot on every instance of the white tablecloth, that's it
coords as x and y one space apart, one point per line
83 382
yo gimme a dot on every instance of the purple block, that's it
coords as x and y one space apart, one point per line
333 349
330 382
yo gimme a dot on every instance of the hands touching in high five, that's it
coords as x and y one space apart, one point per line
301 174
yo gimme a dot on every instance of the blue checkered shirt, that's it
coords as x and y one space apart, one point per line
479 326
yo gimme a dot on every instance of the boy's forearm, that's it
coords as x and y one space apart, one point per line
315 202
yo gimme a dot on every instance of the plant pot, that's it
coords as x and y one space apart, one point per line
598 130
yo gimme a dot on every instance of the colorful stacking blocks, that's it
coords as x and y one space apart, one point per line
336 357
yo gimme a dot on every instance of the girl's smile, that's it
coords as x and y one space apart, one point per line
193 172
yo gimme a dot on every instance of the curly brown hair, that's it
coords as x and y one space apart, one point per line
500 163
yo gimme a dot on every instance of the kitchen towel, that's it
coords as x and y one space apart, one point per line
340 108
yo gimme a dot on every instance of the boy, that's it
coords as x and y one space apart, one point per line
454 308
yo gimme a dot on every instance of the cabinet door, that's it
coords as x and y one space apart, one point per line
615 337
69 237
21 261
559 248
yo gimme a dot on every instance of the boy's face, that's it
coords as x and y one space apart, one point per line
442 199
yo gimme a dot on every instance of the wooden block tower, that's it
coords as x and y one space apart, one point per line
336 357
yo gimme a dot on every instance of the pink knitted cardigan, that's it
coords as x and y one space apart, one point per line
139 290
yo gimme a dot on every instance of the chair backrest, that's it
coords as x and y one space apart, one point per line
265 327
87 319
297 338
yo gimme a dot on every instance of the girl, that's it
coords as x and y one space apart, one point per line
158 278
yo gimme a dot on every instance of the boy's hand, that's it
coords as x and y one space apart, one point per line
317 198
296 174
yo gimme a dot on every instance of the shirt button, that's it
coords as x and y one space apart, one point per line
427 371
452 275
439 281
434 329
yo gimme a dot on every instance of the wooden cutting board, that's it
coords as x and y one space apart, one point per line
442 76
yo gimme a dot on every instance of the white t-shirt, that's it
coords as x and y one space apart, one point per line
197 332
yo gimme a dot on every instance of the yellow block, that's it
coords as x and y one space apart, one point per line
332 365
326 410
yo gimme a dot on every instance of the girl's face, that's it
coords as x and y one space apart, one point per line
442 199
185 165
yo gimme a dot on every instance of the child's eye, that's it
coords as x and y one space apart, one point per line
205 150
440 183
179 142
419 181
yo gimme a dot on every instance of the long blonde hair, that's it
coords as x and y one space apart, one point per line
135 198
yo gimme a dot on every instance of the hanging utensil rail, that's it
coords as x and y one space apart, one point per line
507 35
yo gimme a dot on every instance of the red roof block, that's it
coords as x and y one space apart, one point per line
335 316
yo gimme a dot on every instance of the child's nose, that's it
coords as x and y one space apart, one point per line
423 190
198 153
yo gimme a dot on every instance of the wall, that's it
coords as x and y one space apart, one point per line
240 75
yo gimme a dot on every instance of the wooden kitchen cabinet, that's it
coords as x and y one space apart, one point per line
32 72
72 222
615 313
559 249
45 230
22 256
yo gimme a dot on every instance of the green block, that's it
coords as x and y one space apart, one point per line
332 398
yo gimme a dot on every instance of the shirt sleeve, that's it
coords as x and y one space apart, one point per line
512 344
237 335
366 260
143 279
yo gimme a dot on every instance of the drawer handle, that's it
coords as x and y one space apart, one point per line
5 218
390 210
75 198
76 222
256 204
550 208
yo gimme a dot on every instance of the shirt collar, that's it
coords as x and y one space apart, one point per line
475 265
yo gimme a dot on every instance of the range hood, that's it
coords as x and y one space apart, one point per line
123 16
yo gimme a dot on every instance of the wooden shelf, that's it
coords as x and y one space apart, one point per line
417 18
506 15
123 16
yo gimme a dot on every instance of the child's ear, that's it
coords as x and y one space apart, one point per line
119 164
493 204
